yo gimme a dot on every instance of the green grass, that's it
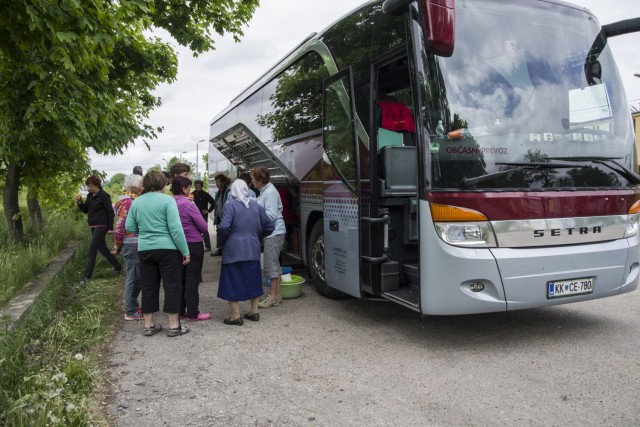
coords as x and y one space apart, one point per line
49 365
19 263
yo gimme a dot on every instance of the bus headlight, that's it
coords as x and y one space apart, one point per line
632 220
632 225
467 234
462 226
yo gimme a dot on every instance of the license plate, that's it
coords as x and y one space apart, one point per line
566 288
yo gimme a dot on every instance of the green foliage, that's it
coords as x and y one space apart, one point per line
20 262
117 179
172 161
49 366
81 74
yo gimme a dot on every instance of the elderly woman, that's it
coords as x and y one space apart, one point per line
162 249
243 223
194 226
100 218
127 244
270 199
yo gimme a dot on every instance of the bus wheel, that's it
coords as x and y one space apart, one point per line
316 263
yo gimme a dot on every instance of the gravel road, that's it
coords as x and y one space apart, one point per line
318 362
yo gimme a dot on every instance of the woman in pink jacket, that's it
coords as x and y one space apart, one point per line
193 225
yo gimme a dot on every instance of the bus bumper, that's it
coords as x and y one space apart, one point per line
526 273
516 279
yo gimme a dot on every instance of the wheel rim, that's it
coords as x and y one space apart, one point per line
317 258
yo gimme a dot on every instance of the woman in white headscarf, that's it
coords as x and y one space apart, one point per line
244 222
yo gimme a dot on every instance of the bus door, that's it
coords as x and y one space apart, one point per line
341 185
394 257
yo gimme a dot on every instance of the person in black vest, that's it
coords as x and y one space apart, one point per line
205 204
100 217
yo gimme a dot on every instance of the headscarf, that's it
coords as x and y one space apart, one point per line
240 191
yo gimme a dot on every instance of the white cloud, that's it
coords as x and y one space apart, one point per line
205 85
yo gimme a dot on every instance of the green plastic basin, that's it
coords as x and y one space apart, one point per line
291 289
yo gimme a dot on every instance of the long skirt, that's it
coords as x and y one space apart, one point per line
240 281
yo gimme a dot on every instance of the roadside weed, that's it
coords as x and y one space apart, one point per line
21 262
49 366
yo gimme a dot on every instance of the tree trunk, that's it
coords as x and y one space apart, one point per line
10 203
35 213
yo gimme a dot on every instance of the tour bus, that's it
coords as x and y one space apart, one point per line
454 157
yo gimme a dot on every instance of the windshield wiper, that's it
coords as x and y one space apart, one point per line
467 182
621 170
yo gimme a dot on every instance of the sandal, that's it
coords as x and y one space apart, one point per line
157 327
180 330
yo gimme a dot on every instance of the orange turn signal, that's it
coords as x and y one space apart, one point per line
446 213
635 208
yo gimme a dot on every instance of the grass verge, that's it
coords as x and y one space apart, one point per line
19 263
49 366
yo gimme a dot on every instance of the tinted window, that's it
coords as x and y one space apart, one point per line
338 131
292 103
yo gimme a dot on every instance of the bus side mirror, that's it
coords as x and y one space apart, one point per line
395 7
439 22
439 25
622 27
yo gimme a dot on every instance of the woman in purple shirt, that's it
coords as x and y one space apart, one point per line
193 225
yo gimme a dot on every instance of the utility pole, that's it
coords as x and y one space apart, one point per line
198 159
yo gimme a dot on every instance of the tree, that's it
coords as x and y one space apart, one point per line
76 75
117 179
172 161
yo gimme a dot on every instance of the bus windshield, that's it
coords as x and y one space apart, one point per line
530 99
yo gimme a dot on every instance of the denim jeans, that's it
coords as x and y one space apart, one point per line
132 283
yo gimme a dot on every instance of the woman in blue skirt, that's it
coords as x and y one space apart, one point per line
244 222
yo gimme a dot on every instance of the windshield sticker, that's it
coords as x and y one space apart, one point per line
476 150
573 136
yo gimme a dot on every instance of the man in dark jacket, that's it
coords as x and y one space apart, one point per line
205 204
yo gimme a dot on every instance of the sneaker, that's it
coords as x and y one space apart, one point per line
269 302
84 281
201 316
207 249
136 316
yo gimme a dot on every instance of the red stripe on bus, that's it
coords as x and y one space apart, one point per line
539 205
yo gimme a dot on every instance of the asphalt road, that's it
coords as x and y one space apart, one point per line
318 362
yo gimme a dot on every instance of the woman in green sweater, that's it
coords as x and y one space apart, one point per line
162 249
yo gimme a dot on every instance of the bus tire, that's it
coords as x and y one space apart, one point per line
315 256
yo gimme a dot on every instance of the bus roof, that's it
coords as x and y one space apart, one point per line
260 81
273 70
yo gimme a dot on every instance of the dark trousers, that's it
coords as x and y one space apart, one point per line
161 265
205 236
191 274
98 245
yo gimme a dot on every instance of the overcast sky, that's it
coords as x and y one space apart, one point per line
205 85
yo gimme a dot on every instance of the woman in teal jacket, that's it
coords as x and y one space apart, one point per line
162 249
